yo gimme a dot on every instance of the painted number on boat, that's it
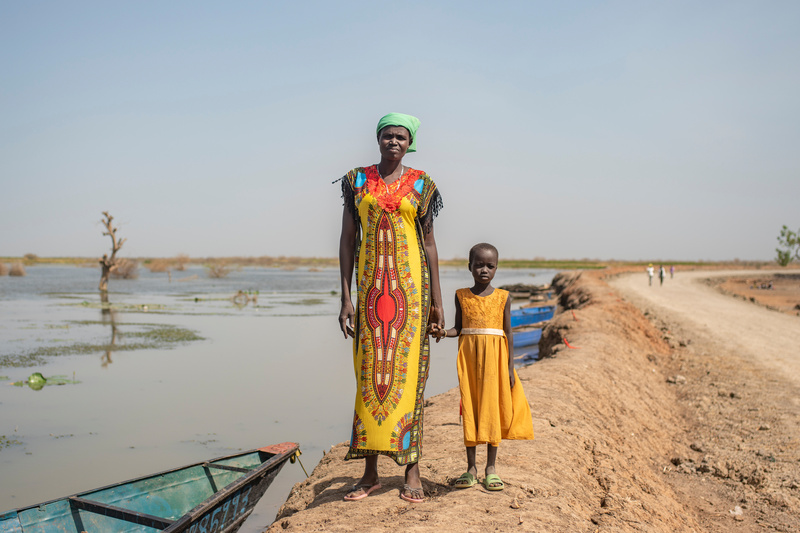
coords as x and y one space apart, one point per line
223 514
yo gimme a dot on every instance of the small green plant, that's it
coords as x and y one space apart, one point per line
790 246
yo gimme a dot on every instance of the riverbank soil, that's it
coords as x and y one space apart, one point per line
678 413
736 373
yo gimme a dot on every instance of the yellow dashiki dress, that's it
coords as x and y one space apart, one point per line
390 350
490 408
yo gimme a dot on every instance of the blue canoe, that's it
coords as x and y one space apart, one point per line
213 496
531 315
526 338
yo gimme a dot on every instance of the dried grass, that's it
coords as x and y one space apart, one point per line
126 269
17 269
3 269
218 270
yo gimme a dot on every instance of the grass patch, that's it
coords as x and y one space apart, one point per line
305 301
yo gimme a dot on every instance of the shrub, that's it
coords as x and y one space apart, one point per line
17 269
126 269
218 270
159 265
180 262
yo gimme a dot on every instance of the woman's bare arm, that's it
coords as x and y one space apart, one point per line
347 250
437 311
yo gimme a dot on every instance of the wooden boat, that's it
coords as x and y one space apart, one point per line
531 315
523 338
213 496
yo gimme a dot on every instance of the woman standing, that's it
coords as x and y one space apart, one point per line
387 233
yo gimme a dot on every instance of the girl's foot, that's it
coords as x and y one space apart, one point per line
493 482
465 481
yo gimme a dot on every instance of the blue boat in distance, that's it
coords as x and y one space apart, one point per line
214 496
531 315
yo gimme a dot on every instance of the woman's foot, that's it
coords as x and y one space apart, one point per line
361 491
368 482
412 495
412 490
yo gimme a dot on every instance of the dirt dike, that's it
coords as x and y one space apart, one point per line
605 419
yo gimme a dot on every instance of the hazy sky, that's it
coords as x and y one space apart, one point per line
628 130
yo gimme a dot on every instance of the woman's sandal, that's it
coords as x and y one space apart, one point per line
359 492
493 482
412 495
465 481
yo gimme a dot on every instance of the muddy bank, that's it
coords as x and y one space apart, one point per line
605 419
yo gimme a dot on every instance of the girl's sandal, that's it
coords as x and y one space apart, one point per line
465 481
412 495
493 482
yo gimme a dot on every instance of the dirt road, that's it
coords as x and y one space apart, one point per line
736 366
765 337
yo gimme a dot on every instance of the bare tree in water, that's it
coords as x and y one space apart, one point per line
109 264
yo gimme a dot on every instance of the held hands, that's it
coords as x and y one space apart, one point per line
436 323
437 332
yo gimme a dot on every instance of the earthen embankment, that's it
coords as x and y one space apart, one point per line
605 419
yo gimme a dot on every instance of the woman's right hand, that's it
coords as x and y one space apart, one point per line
346 317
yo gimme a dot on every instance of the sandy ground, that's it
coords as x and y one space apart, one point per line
738 371
656 409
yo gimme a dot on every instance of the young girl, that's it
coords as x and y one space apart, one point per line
493 404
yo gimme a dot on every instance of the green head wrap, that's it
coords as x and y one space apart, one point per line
407 121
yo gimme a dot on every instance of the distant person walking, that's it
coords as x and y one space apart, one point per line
650 273
662 273
671 271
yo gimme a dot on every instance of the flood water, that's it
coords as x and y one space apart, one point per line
264 372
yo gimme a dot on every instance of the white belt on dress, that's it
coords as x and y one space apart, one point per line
482 331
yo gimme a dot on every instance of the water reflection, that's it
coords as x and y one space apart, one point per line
242 298
108 315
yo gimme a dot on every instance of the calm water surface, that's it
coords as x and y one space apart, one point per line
274 371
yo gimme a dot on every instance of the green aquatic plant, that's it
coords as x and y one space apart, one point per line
37 381
305 301
5 442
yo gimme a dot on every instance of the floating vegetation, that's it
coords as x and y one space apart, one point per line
5 442
163 334
130 308
37 381
143 336
305 301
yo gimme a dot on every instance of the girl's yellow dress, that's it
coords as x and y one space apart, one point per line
390 349
491 409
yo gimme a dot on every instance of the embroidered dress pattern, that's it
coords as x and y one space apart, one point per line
390 352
